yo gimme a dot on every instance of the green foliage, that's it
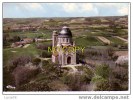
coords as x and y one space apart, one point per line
44 46
77 80
36 61
102 70
24 74
7 78
29 51
18 61
80 55
101 83
36 86
87 73
49 77
16 38
97 79
46 54
74 81
87 41
45 79
115 41
60 86
103 86
110 79
110 52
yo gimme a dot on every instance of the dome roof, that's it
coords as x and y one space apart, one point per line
65 32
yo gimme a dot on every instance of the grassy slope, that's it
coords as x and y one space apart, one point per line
32 34
87 41
30 50
115 40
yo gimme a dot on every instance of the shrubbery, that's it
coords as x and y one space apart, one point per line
102 70
101 77
43 46
18 61
110 79
23 74
36 61
45 54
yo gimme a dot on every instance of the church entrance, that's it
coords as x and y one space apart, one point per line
69 60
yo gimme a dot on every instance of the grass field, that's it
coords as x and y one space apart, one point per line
87 41
8 54
40 34
115 40
31 50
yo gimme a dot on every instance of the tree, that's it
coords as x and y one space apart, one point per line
101 78
43 46
110 52
16 38
73 81
18 61
36 61
23 74
45 54
6 39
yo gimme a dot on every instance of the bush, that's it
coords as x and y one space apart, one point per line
110 52
45 54
87 74
43 46
75 81
24 74
110 79
120 73
60 86
36 61
7 78
16 38
35 86
45 63
114 44
102 86
125 46
102 70
18 61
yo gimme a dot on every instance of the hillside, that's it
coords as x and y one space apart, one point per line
27 63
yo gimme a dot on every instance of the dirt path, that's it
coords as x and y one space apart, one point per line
44 58
121 53
25 46
73 67
121 38
103 39
13 51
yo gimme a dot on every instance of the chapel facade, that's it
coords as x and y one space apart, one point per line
63 39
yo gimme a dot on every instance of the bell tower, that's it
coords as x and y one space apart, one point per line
54 38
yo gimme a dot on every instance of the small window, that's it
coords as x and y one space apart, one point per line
63 39
67 40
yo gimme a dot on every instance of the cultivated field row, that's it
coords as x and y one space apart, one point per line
121 38
103 39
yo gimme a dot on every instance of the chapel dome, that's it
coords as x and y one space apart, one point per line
65 32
